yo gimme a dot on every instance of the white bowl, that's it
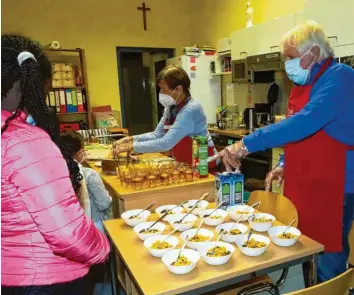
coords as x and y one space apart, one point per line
159 226
213 222
173 241
171 256
191 233
252 251
231 211
227 226
143 217
273 232
261 226
201 206
187 223
205 247
168 207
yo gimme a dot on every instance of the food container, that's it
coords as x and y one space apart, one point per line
212 220
252 251
171 256
160 227
227 226
143 217
273 233
191 233
56 67
200 156
218 260
173 241
173 209
261 226
57 83
201 206
66 67
233 212
188 222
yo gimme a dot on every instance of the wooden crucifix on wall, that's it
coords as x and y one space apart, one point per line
143 8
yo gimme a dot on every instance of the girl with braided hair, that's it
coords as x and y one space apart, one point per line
48 244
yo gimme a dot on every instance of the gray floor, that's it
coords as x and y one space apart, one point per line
294 281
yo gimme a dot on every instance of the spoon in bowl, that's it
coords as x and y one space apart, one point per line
208 215
180 251
288 226
146 208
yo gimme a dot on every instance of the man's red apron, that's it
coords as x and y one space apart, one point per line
182 151
314 177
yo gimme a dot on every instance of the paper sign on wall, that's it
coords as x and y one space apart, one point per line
193 68
193 75
192 59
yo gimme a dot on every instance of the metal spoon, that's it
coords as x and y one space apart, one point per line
146 229
170 210
222 232
147 208
199 227
170 234
233 226
180 251
208 215
288 226
201 199
248 238
195 206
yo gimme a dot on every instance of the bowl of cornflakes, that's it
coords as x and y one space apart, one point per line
287 239
232 231
196 239
240 211
144 232
261 222
183 263
216 253
256 245
157 246
215 219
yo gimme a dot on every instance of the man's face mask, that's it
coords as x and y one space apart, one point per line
295 72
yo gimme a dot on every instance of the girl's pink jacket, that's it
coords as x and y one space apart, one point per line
45 236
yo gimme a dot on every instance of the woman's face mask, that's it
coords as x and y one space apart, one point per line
167 100
295 72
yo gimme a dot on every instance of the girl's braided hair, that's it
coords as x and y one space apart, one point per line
32 75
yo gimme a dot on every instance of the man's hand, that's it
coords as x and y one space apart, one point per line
277 173
232 155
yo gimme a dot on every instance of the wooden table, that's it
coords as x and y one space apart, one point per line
149 276
125 198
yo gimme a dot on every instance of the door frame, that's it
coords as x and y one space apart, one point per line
119 50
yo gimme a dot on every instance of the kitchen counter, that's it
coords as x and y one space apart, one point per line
237 133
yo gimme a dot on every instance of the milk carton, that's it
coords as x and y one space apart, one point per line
238 183
223 189
229 189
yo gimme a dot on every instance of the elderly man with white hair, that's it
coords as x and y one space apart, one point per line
318 137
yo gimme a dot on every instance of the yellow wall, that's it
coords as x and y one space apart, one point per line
216 19
100 26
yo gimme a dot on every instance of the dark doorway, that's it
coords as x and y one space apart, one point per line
159 65
137 69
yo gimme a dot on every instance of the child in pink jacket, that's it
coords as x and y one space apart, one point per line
47 242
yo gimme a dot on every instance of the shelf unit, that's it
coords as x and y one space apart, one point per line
77 58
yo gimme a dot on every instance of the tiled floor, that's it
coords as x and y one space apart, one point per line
294 281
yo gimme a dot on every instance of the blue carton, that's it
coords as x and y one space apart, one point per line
229 189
